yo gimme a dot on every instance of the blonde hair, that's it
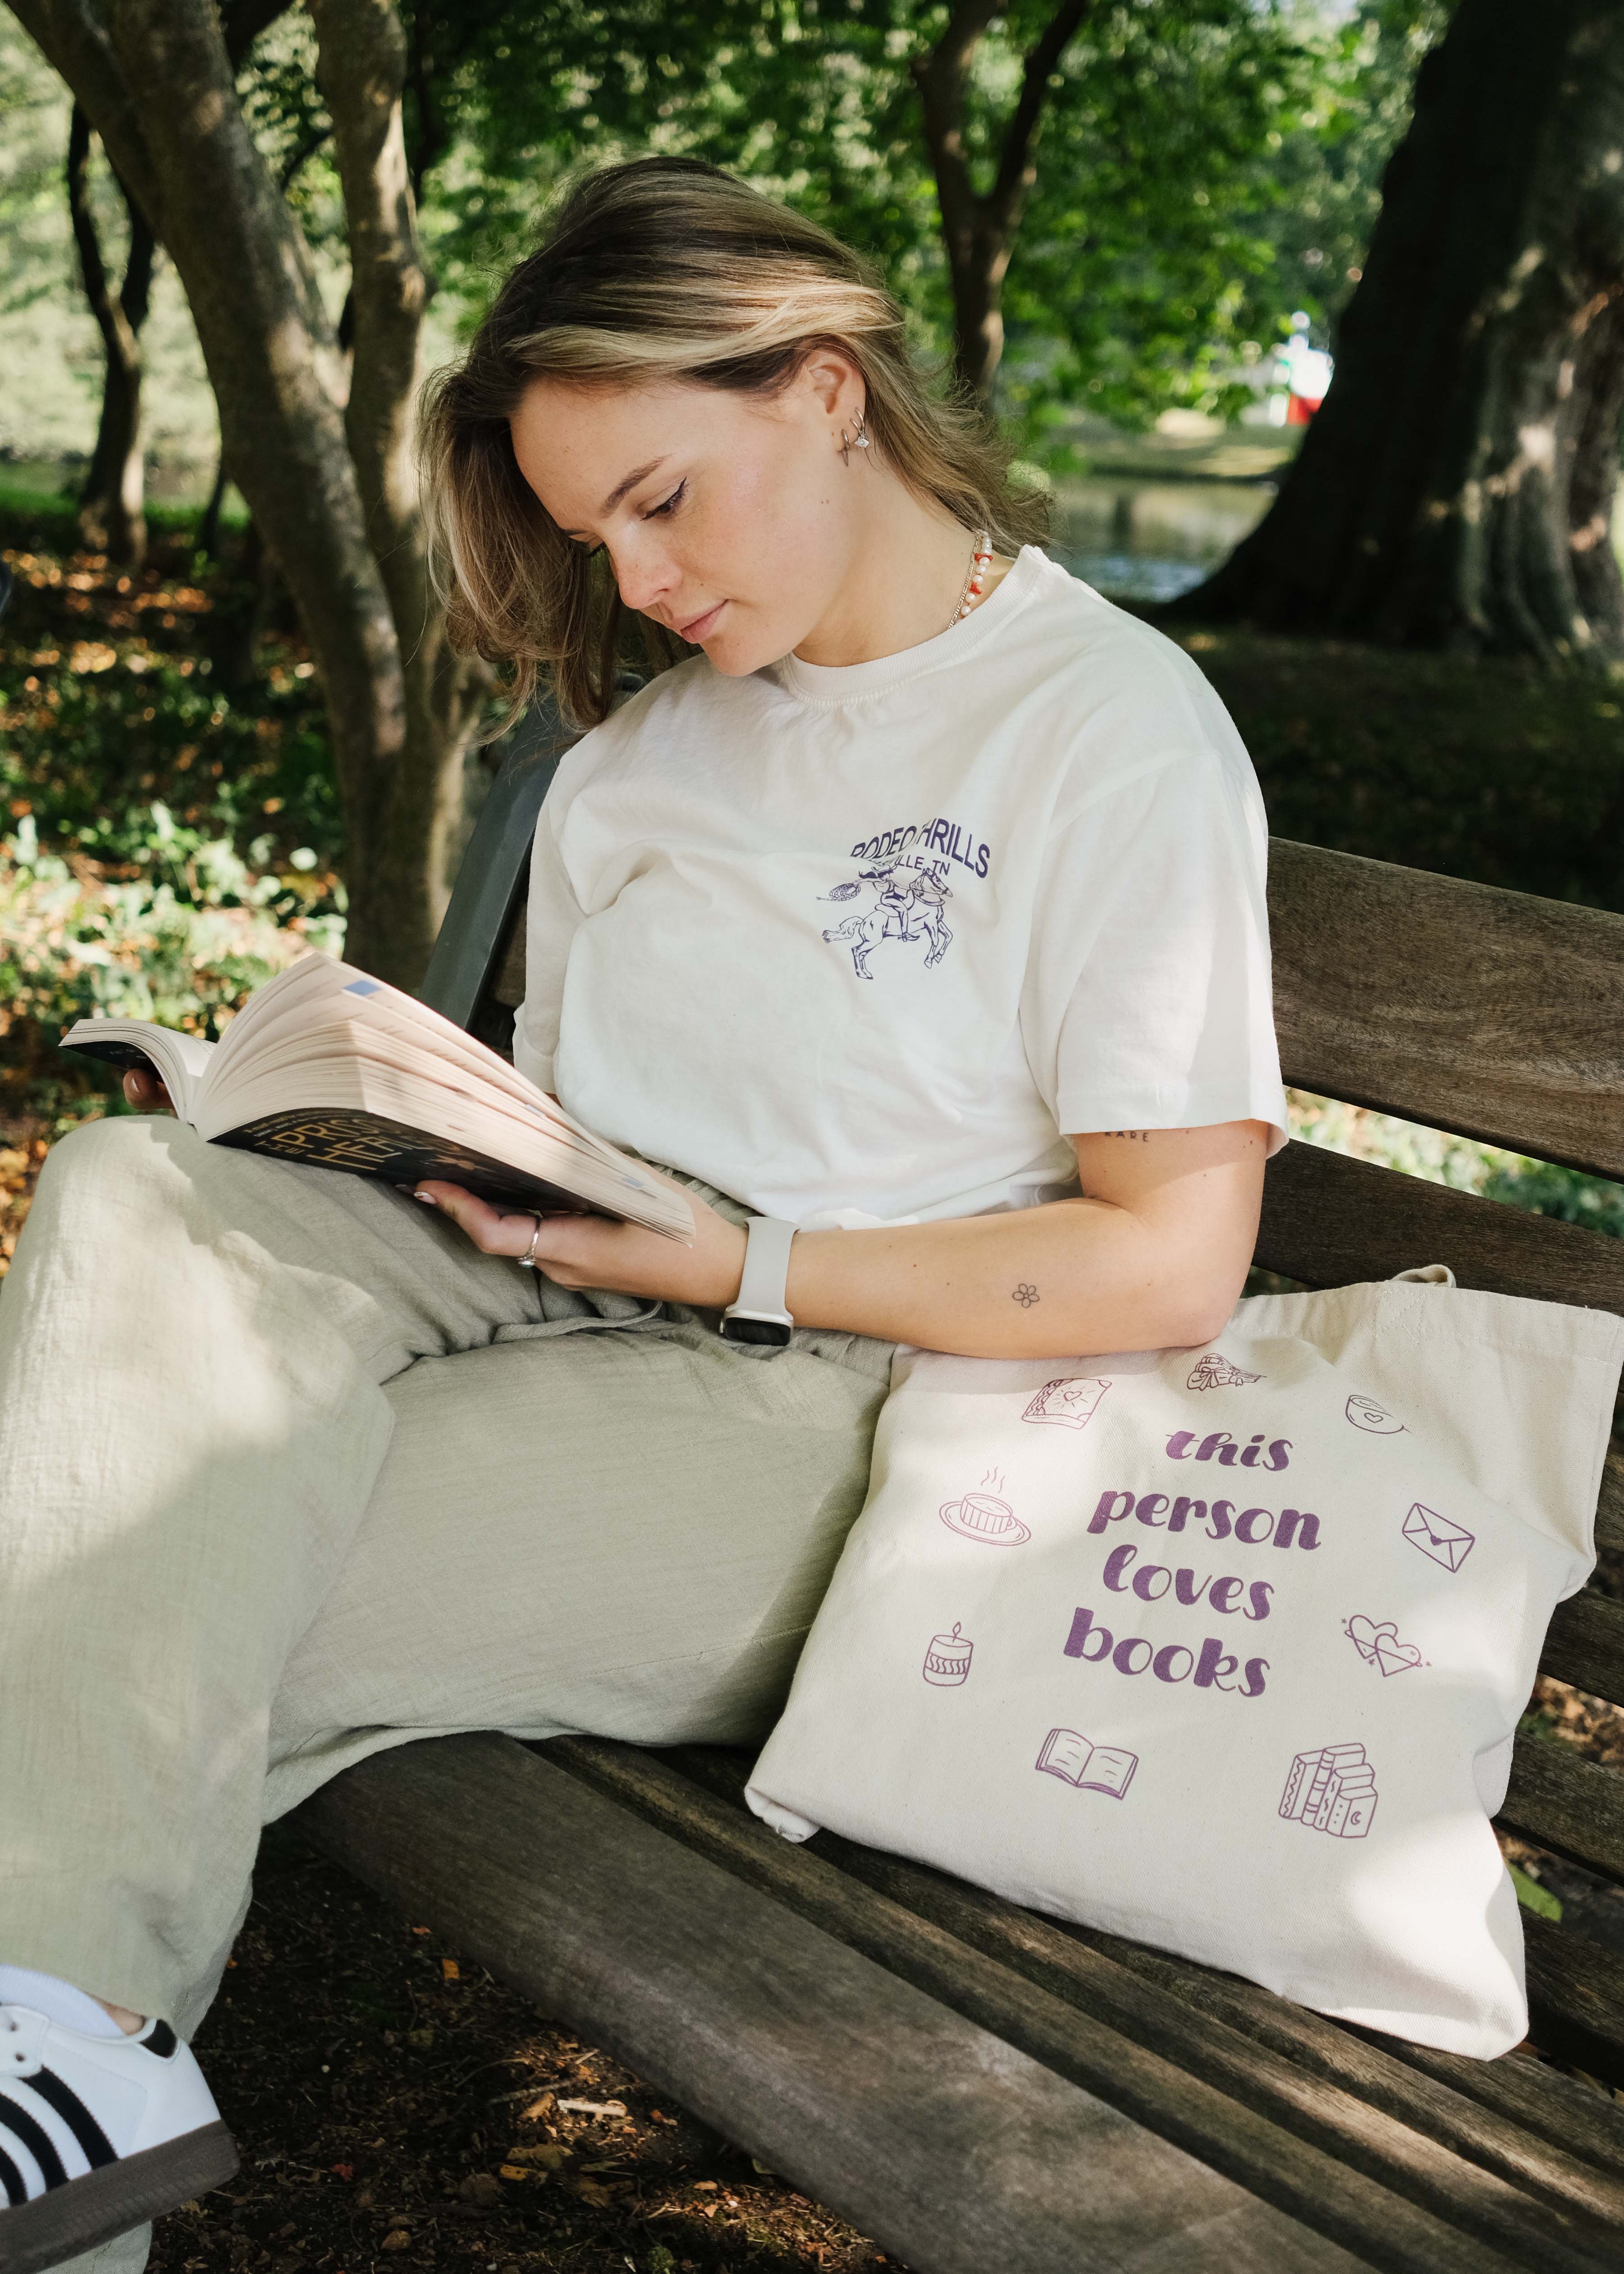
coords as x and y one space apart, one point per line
663 268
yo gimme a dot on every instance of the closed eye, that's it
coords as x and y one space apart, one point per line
669 504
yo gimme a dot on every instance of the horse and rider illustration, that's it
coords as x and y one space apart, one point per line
907 905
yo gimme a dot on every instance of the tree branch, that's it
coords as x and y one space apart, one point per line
940 79
1017 172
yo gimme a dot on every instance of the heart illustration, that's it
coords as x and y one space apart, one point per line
1393 1656
1367 1638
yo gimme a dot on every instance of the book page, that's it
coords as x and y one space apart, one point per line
1111 1770
1065 1754
180 1061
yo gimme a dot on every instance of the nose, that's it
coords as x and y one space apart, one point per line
643 573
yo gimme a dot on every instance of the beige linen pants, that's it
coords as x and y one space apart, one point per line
289 1473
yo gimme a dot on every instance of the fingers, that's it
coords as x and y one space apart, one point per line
144 1091
495 1232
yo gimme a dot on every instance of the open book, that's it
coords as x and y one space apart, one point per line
1091 1768
325 1066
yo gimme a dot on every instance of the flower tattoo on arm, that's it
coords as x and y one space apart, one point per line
1025 1296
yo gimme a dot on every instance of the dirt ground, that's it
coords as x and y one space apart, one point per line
395 2107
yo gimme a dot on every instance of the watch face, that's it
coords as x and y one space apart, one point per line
754 1330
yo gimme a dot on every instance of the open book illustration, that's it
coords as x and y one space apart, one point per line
1091 1768
325 1066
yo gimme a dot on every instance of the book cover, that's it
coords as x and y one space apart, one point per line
371 1147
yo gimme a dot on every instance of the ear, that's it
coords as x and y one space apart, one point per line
832 381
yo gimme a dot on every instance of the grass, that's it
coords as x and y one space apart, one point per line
1487 769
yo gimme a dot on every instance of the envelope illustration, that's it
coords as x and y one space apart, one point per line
1449 1544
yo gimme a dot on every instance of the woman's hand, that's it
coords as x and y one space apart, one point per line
589 1251
144 1091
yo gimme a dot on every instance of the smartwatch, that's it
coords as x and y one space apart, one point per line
758 1314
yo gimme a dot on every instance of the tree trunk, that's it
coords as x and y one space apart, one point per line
112 502
1455 489
979 231
157 79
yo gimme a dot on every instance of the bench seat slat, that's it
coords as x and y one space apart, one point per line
1572 1806
1584 1645
1528 2103
1461 1005
933 2137
1575 1995
968 1947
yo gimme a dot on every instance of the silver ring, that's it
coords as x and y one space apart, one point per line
526 1261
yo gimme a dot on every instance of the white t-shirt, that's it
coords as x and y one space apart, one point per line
860 943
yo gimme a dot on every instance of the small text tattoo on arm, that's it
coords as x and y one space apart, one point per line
1139 1136
1025 1295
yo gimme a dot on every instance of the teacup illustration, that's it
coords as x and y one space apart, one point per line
981 1516
1365 1413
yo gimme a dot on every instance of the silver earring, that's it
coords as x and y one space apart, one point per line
859 438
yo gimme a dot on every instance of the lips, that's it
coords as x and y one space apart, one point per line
696 631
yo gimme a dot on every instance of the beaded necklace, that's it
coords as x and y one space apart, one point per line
981 560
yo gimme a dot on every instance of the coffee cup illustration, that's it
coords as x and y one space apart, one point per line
982 1515
1365 1413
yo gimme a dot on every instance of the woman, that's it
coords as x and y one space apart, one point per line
918 913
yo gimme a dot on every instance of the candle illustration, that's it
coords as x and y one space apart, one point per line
947 1660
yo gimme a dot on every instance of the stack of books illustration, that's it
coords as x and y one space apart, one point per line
1333 1790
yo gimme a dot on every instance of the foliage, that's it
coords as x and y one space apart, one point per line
1486 767
1326 172
110 699
1464 1164
182 944
1143 259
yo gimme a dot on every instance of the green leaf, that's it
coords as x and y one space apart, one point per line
1532 1896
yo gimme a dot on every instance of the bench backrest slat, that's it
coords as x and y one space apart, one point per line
1490 1012
1329 1221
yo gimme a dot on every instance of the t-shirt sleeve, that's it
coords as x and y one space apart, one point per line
551 920
1147 1001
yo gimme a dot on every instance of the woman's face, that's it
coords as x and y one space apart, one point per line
730 518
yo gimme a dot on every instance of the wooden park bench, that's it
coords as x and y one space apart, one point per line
986 2091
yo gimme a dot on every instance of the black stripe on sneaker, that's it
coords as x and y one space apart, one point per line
36 2139
95 2145
11 2180
159 2039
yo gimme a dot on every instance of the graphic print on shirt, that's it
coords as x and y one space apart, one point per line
906 869
907 906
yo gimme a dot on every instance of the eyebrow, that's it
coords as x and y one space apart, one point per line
631 481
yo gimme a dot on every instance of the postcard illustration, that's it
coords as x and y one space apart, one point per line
1446 1543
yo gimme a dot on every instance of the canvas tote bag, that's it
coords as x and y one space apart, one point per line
1222 1649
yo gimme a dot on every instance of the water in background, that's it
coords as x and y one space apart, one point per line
1139 540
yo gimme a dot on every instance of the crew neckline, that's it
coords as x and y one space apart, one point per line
829 685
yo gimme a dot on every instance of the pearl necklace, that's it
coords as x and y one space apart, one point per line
981 560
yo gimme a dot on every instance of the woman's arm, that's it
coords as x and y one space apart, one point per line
1152 1256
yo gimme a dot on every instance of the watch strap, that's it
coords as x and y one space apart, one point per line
766 1270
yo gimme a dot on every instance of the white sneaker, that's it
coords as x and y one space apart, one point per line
97 2134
